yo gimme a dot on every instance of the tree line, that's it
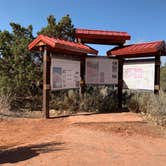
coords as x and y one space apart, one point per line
21 70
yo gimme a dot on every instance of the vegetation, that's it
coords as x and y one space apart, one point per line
96 99
150 105
21 78
163 77
5 102
64 29
21 70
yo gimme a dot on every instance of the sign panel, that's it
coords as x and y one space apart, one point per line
101 71
65 74
139 75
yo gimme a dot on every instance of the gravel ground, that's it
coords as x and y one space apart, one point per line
122 139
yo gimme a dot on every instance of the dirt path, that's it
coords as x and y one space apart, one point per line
102 140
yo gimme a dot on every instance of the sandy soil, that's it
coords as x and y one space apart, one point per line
122 139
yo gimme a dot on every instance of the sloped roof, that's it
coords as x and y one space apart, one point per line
101 37
141 49
58 44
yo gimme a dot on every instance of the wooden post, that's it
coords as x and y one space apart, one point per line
78 40
46 81
120 82
82 82
157 75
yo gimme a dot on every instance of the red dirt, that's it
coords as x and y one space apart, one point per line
122 139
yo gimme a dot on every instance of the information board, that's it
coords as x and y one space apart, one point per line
65 74
139 75
101 71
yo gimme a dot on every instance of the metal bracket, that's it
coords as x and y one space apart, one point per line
82 82
157 62
46 87
156 87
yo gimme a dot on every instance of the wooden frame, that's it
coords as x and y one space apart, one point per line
157 75
120 75
48 45
120 82
46 77
46 81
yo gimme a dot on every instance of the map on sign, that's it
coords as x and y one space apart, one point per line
139 75
101 70
65 74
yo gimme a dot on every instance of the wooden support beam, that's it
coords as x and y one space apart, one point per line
82 73
157 75
46 81
120 82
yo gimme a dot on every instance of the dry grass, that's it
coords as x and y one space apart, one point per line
100 99
5 102
150 105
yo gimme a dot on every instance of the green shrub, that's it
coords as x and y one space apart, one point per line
139 101
153 106
95 99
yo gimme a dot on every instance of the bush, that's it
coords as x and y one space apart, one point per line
6 98
138 102
95 99
157 104
151 105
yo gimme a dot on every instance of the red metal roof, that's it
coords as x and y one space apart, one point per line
102 37
62 45
141 49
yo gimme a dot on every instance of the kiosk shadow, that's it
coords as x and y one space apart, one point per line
90 113
24 153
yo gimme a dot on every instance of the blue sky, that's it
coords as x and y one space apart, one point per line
144 20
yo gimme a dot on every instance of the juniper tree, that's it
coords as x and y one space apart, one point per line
18 67
64 29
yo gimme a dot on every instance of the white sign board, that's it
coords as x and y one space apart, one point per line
65 74
101 71
139 75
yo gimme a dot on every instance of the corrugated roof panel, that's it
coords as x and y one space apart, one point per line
101 32
101 37
62 44
138 49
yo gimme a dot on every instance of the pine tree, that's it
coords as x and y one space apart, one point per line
64 29
18 67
